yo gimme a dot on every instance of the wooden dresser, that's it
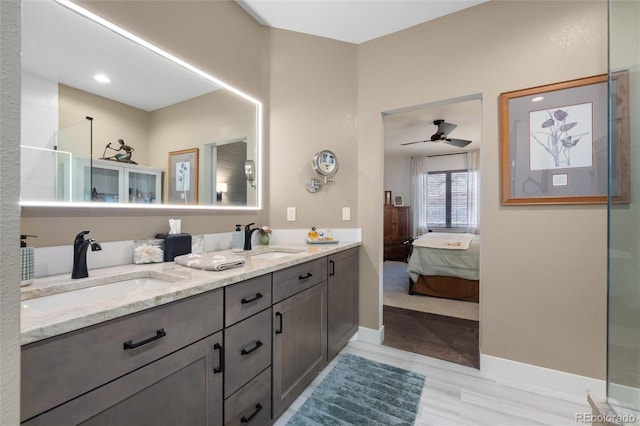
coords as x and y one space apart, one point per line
396 232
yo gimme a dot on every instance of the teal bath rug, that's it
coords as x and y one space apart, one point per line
358 391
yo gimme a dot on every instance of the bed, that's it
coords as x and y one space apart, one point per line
445 265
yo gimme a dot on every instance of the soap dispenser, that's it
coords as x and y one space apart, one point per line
27 256
237 239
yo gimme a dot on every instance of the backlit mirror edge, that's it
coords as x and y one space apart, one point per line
132 37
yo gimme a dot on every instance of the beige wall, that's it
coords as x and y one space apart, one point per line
9 212
313 107
215 117
543 268
111 121
220 38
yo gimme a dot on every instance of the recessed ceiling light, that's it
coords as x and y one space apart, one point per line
102 78
537 99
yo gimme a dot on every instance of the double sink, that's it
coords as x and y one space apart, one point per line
73 293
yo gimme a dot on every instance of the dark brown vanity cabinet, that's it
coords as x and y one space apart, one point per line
342 300
237 355
299 330
247 387
161 366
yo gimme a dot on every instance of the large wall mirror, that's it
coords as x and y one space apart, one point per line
111 120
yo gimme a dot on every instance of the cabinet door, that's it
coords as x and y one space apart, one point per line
184 388
299 344
342 300
142 186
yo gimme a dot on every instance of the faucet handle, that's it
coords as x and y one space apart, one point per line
81 235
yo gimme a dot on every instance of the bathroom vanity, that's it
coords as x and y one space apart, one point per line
211 348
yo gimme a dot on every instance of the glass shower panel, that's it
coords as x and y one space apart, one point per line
45 174
623 327
77 140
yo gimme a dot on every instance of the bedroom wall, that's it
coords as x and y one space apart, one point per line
397 176
543 268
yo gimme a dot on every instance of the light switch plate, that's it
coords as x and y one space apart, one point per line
291 214
346 213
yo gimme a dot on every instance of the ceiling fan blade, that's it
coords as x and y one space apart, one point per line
411 143
446 128
460 143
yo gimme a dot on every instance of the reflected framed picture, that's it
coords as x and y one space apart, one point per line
183 176
398 200
554 142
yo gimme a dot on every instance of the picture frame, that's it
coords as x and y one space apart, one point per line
183 176
387 198
554 142
398 200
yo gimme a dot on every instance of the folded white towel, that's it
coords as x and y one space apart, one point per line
209 261
444 240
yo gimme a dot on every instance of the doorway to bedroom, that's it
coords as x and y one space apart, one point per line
431 183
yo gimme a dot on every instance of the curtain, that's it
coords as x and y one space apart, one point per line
419 194
473 192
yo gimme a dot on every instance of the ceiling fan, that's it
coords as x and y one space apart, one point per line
441 135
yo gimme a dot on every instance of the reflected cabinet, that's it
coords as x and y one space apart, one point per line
115 182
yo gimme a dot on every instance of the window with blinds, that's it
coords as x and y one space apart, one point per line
447 199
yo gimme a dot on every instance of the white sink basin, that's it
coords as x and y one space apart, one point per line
93 295
272 255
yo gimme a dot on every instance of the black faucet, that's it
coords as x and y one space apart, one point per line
80 246
248 232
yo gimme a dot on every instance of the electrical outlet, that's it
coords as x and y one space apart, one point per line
346 213
291 214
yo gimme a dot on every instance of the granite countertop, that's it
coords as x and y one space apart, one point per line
181 282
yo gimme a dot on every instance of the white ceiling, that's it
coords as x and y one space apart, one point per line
63 46
54 37
358 21
353 21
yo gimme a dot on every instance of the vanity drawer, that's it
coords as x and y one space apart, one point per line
60 368
247 350
252 403
246 298
290 281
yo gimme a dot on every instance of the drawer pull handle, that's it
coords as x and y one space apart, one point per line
247 352
130 345
309 275
248 419
333 268
258 296
278 314
218 347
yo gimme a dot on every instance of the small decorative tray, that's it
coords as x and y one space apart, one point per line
322 241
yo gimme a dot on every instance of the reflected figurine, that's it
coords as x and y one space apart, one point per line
122 157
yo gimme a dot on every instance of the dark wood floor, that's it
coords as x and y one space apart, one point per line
437 336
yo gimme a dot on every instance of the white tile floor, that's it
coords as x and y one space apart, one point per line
458 395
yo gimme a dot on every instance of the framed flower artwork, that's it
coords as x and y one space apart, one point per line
183 176
554 142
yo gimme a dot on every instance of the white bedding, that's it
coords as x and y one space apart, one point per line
452 263
444 240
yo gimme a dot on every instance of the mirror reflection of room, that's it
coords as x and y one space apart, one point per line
107 138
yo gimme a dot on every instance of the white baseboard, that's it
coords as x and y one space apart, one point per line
369 335
547 380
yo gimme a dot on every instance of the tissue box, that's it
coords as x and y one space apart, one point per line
175 245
